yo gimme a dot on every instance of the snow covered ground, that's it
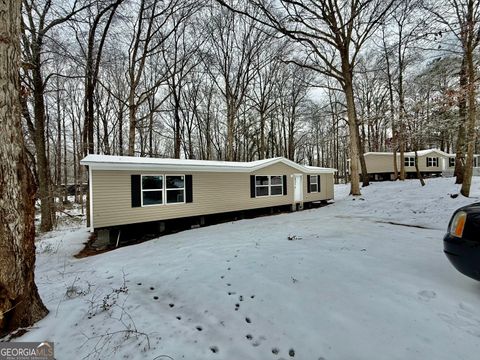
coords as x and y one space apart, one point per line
351 285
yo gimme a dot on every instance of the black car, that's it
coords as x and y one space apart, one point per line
462 240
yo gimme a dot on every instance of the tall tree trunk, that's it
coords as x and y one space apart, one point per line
230 130
392 114
58 149
178 122
132 120
353 130
402 150
88 145
120 127
75 162
44 181
401 120
20 304
471 131
417 169
65 162
262 150
363 165
462 119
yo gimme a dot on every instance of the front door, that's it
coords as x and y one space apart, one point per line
298 193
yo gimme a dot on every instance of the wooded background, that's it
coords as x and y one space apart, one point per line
317 82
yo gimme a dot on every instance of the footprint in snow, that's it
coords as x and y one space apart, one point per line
249 337
466 308
214 349
248 320
275 351
462 321
427 294
291 352
199 328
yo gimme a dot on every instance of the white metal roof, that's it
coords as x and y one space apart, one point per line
112 162
412 153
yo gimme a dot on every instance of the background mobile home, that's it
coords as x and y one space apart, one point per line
431 162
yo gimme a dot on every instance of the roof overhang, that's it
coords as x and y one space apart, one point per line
103 162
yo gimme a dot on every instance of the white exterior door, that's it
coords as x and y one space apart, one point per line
298 193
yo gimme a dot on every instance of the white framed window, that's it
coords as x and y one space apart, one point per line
152 190
451 162
432 162
409 161
276 185
268 185
313 183
175 189
261 186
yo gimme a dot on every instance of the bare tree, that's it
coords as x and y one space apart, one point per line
389 73
36 26
332 33
462 19
234 42
263 93
20 304
151 29
410 27
93 57
178 55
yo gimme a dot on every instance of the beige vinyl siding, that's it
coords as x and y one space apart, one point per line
422 163
212 193
379 163
326 188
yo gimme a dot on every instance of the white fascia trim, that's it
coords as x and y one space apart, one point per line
163 167
90 190
200 168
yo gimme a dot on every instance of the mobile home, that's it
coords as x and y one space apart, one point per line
128 190
450 168
430 162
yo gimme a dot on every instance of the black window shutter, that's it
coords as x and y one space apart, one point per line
308 183
437 161
136 191
426 159
318 183
252 186
284 184
188 189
